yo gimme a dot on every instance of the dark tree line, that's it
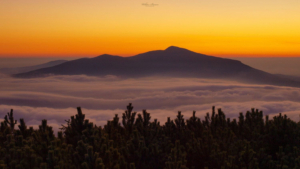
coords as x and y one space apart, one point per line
135 141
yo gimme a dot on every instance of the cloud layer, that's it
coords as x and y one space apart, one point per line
56 98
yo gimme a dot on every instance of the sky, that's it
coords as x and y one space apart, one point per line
76 28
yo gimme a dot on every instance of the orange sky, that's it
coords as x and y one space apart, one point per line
43 28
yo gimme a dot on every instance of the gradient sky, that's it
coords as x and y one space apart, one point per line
43 28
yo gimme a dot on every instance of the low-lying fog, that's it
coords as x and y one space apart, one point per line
56 98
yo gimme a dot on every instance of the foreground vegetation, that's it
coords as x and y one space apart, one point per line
251 141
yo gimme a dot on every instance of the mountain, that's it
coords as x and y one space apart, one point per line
291 77
171 62
31 68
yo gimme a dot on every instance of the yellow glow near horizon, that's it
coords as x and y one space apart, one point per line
93 27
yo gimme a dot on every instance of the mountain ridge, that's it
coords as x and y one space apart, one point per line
17 70
171 62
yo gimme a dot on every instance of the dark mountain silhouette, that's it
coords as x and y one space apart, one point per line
31 68
291 77
172 62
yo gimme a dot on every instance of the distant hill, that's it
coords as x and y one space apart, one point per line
291 77
172 62
31 68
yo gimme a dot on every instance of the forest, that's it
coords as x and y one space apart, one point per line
136 141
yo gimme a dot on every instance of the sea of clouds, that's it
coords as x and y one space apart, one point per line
55 98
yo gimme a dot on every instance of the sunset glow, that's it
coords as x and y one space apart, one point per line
89 28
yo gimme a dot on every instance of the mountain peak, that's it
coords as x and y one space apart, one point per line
105 55
175 49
